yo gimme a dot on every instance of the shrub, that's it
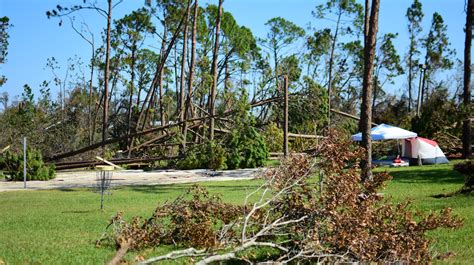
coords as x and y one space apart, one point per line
247 149
12 164
191 159
209 155
273 137
217 156
193 219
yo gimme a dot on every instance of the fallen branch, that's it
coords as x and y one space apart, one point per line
233 254
190 252
308 136
5 149
349 115
120 253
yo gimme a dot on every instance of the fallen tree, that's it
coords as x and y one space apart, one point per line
193 121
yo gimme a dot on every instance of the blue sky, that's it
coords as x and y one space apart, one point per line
34 38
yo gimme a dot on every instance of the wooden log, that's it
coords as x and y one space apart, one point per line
349 115
151 141
92 163
279 154
308 136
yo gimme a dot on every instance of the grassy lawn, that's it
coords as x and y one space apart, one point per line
60 226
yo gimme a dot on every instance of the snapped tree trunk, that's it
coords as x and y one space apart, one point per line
331 65
212 94
410 78
105 119
130 99
154 83
183 65
160 82
366 108
191 76
91 96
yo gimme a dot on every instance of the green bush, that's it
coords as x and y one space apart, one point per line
244 149
273 138
217 156
247 149
12 164
209 155
190 161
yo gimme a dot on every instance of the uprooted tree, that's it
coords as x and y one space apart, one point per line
311 208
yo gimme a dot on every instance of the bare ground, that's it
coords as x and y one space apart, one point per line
85 179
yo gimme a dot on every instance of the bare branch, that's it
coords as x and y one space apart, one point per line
190 252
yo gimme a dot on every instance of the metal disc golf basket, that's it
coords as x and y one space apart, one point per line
103 180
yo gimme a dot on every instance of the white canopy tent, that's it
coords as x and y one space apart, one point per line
413 147
386 132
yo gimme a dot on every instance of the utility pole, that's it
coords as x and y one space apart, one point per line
420 89
24 162
285 111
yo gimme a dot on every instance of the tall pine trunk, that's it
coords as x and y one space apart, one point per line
366 108
466 132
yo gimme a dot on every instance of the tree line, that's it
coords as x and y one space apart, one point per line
204 64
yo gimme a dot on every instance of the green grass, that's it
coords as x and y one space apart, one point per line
60 226
419 184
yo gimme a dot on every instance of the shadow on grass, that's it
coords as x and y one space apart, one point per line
177 189
79 211
428 175
68 190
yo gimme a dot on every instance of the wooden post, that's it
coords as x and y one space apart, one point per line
24 162
285 111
